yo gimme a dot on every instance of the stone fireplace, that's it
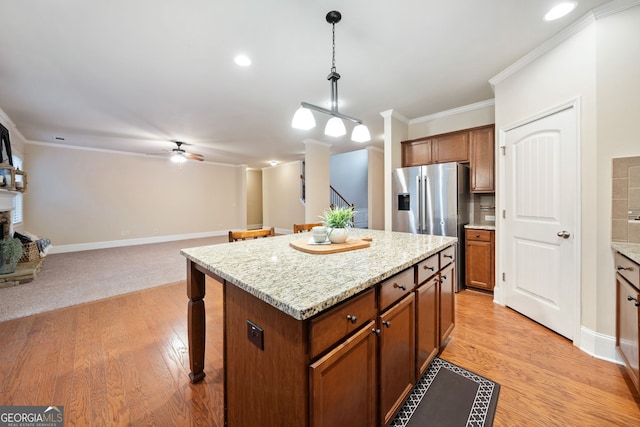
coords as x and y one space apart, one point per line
6 206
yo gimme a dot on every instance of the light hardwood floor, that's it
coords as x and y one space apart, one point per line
124 361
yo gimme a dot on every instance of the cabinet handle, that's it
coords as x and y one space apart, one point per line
376 331
352 319
426 267
630 298
444 277
625 268
449 256
386 323
477 236
402 287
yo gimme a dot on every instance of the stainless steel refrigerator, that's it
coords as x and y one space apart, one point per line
433 199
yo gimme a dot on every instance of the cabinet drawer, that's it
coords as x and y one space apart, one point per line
330 327
628 269
396 287
480 235
428 268
447 256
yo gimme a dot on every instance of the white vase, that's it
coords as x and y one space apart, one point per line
338 235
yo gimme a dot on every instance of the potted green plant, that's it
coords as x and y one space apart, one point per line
338 221
10 253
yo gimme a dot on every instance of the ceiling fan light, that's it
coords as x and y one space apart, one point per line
178 158
360 134
303 119
335 127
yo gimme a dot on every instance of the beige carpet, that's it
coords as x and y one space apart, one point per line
78 277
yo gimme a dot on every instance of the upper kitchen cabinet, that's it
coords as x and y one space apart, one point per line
451 147
474 146
482 159
416 152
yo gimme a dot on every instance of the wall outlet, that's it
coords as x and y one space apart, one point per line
255 334
489 217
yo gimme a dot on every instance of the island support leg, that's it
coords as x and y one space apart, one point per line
196 321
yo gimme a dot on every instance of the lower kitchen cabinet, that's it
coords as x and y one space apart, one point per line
397 356
628 316
427 345
367 353
479 259
333 399
447 301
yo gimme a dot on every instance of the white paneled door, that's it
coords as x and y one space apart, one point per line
541 188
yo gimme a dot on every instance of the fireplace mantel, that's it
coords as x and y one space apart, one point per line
6 200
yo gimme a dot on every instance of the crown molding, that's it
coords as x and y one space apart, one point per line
454 111
394 114
104 150
8 123
588 19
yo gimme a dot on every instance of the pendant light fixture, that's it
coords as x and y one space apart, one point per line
303 119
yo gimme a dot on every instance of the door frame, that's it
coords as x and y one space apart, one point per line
499 290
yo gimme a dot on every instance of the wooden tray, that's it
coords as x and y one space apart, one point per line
349 245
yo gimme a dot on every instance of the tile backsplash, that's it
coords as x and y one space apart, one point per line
483 207
625 200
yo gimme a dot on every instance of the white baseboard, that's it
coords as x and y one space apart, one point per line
132 242
599 345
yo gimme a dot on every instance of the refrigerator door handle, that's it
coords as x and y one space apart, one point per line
420 212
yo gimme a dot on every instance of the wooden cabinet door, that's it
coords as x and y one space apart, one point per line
482 160
427 335
447 302
397 356
416 152
627 333
450 148
479 259
343 383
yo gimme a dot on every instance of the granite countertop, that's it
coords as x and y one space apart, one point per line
302 284
480 226
630 250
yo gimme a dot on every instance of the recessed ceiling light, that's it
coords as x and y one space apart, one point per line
242 60
560 10
273 162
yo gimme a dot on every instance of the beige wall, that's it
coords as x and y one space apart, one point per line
254 198
600 66
618 95
281 196
375 183
83 196
452 121
565 73
317 159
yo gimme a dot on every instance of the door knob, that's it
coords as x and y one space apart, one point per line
564 234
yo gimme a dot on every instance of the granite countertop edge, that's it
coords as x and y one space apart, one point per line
630 250
480 226
298 307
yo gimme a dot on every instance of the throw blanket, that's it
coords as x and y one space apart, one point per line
43 244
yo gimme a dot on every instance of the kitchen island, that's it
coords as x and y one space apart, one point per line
328 339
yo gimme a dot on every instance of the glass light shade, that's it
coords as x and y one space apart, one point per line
303 119
335 127
360 134
178 158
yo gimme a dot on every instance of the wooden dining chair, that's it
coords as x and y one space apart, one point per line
251 234
299 228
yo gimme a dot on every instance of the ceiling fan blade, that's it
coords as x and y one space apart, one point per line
193 156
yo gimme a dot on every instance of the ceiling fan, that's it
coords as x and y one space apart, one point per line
178 155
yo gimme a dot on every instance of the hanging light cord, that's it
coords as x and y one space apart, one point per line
333 47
